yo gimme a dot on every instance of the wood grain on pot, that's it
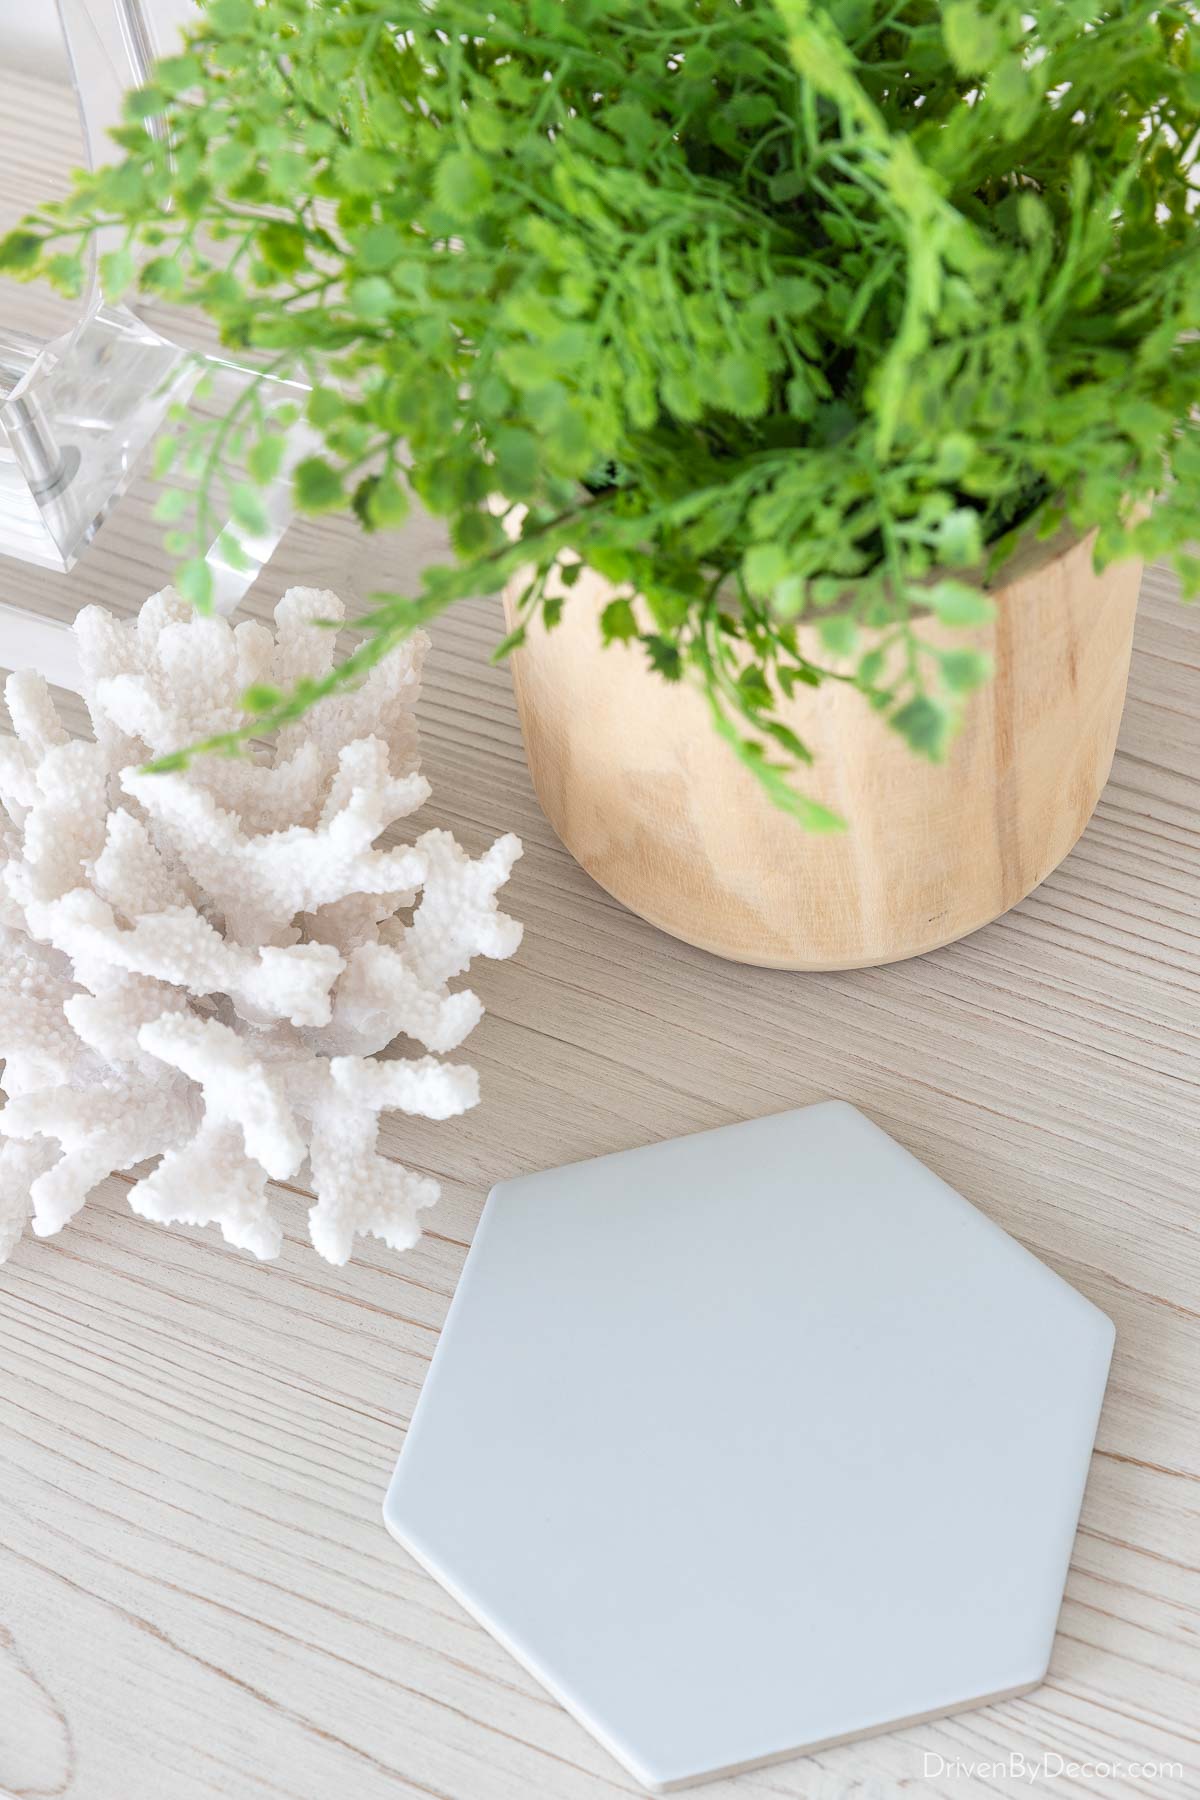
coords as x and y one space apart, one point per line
659 812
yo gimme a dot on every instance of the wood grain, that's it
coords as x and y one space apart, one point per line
647 797
197 1598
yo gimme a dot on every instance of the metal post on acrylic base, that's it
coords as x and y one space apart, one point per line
78 413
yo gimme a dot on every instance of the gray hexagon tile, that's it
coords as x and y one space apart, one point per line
755 1441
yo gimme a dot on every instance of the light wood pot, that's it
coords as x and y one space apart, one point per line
643 793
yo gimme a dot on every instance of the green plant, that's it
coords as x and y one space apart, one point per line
767 309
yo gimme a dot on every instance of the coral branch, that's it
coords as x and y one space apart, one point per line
200 967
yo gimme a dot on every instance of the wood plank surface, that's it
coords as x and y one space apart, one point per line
197 1598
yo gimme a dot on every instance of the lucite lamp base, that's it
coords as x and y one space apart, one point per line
79 413
79 419
75 421
754 1442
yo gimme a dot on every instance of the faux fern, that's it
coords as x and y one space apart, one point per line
767 309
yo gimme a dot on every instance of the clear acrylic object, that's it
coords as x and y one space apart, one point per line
78 413
77 418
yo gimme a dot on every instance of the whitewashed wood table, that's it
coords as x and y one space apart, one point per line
197 1598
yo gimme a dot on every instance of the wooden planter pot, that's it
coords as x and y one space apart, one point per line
646 797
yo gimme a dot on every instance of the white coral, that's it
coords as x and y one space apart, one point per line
201 967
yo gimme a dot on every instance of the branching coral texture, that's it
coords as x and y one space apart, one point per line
201 967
